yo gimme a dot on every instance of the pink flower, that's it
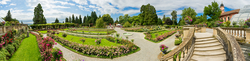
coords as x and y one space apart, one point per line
47 44
59 52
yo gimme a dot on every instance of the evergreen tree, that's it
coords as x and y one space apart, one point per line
174 17
38 15
73 19
84 19
76 20
93 17
66 20
159 22
80 19
70 20
8 16
107 18
56 21
168 21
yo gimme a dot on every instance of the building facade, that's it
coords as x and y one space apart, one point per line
226 16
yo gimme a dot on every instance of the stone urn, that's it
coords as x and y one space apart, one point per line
187 22
248 24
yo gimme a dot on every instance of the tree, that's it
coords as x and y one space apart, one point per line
168 21
127 24
8 16
70 21
189 12
100 23
21 22
73 19
159 22
201 19
148 15
66 20
93 17
174 17
107 18
56 21
76 20
38 15
213 11
84 19
80 19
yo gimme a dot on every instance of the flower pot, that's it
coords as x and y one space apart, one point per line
164 51
218 25
248 24
188 22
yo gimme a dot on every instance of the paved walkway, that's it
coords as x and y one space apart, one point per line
80 34
149 50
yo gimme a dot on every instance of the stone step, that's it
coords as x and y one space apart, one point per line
207 39
209 48
209 58
207 45
197 37
210 53
206 42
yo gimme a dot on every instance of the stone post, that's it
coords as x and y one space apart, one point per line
214 31
185 32
203 29
247 35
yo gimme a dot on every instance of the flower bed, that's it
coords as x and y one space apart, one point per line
159 38
9 44
45 45
126 48
92 31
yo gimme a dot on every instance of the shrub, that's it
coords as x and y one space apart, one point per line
53 32
10 48
82 31
15 45
2 56
83 40
132 40
126 37
178 42
117 35
127 24
64 35
227 23
98 41
234 23
57 54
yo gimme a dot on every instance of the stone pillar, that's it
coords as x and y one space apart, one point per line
214 31
203 29
185 32
247 35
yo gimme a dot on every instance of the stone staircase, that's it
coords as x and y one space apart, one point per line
208 48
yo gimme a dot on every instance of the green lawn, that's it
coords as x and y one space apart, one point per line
89 41
92 31
43 31
27 51
159 33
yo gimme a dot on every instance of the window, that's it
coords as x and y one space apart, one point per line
225 19
228 18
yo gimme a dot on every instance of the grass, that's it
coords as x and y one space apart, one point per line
92 31
43 31
159 33
27 51
88 41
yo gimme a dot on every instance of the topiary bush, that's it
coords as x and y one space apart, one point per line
132 40
127 24
10 48
178 42
64 35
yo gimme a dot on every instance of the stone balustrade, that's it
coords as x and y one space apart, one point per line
239 33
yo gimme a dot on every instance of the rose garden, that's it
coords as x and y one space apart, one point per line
138 38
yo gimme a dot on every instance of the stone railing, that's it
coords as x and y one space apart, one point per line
239 33
185 49
231 46
4 29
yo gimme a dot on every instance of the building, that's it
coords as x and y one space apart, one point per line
225 16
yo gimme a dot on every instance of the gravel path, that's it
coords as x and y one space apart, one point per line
81 34
149 50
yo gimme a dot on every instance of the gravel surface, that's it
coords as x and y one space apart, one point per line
149 50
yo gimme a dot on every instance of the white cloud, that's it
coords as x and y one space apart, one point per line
4 1
82 2
12 4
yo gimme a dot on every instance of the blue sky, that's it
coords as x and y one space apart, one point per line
23 9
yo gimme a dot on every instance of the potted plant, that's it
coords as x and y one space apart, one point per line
248 22
219 23
188 20
164 49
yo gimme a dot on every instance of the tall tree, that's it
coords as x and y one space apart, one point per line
84 19
38 15
159 22
164 18
70 21
189 12
174 17
168 21
8 16
56 21
80 19
201 19
213 11
76 20
100 23
73 18
66 20
93 17
107 18
148 15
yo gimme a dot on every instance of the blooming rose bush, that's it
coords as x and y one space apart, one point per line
100 51
160 37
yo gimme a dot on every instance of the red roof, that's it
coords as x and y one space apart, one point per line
230 12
